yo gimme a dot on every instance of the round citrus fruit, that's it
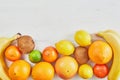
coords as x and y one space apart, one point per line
83 38
43 71
100 52
19 70
66 67
50 54
12 53
65 47
100 70
35 56
85 71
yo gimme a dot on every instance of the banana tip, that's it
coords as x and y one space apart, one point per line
19 34
16 36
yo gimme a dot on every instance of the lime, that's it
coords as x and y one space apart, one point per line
83 38
85 71
35 56
65 47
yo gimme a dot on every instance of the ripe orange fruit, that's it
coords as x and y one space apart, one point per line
12 53
100 52
19 70
43 71
66 67
50 54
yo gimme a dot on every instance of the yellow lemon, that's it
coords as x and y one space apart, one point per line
83 38
65 47
85 71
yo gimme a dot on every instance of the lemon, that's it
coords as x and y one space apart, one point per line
85 71
83 38
65 47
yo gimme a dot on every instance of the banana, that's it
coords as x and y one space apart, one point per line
113 38
4 43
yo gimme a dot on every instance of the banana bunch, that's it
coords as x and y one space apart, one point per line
4 43
113 39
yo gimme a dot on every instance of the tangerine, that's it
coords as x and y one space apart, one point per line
50 54
12 53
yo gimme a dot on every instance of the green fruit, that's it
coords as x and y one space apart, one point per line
65 47
83 38
85 71
35 56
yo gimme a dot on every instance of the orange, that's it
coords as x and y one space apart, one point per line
12 53
100 52
19 70
43 71
50 54
66 67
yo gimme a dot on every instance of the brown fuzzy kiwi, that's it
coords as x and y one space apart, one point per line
81 55
25 44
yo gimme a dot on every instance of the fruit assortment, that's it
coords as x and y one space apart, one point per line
64 58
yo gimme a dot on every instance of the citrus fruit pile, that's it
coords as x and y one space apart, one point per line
63 58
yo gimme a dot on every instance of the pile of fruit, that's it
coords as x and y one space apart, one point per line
63 58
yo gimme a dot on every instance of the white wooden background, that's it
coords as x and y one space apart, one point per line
53 20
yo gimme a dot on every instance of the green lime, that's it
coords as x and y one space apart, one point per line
83 38
35 56
85 71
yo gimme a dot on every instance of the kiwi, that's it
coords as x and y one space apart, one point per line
25 44
81 55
